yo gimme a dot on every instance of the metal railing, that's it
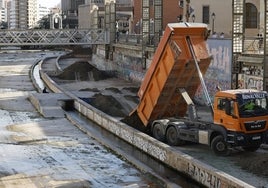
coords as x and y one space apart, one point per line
54 37
129 39
134 39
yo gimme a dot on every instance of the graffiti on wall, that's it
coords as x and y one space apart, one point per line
250 82
219 71
130 67
203 176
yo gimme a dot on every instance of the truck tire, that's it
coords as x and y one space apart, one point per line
173 137
158 133
219 146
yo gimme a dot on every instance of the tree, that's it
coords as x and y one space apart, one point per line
44 23
3 25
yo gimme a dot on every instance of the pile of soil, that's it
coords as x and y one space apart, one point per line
83 71
113 89
107 104
134 99
132 89
90 89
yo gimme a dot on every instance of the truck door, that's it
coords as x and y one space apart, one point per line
225 113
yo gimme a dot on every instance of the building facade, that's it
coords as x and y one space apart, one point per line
3 14
92 14
218 16
32 13
70 12
172 12
22 14
42 12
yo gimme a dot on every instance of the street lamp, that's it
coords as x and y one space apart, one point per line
193 17
213 16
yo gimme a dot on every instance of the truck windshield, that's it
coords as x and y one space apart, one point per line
252 104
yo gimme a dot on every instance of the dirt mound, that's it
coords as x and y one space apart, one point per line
107 104
83 71
132 89
113 89
135 99
134 121
90 89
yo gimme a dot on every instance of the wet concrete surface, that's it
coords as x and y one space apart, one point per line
40 152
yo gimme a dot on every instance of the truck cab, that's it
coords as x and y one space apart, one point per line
243 116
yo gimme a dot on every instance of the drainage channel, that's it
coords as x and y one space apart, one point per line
160 173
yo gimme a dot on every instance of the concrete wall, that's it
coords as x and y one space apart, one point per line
124 59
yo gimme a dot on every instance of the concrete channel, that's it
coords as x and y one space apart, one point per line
204 174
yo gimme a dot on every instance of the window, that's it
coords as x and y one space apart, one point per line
251 16
206 14
181 3
232 106
221 104
254 106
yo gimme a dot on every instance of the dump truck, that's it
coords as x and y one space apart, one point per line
166 108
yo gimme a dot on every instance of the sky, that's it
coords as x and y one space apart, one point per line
49 3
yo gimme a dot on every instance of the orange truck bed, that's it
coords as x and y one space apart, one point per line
172 68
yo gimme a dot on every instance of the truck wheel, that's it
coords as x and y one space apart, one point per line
219 146
251 148
158 133
173 138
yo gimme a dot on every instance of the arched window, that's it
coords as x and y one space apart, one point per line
251 16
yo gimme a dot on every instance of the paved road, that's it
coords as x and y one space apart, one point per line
39 152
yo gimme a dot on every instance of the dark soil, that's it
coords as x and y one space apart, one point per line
107 104
135 99
83 71
132 89
90 89
115 90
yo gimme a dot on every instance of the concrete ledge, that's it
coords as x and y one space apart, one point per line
202 173
48 104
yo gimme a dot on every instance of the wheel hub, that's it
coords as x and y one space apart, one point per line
220 146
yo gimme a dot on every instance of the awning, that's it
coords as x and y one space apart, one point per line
250 59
